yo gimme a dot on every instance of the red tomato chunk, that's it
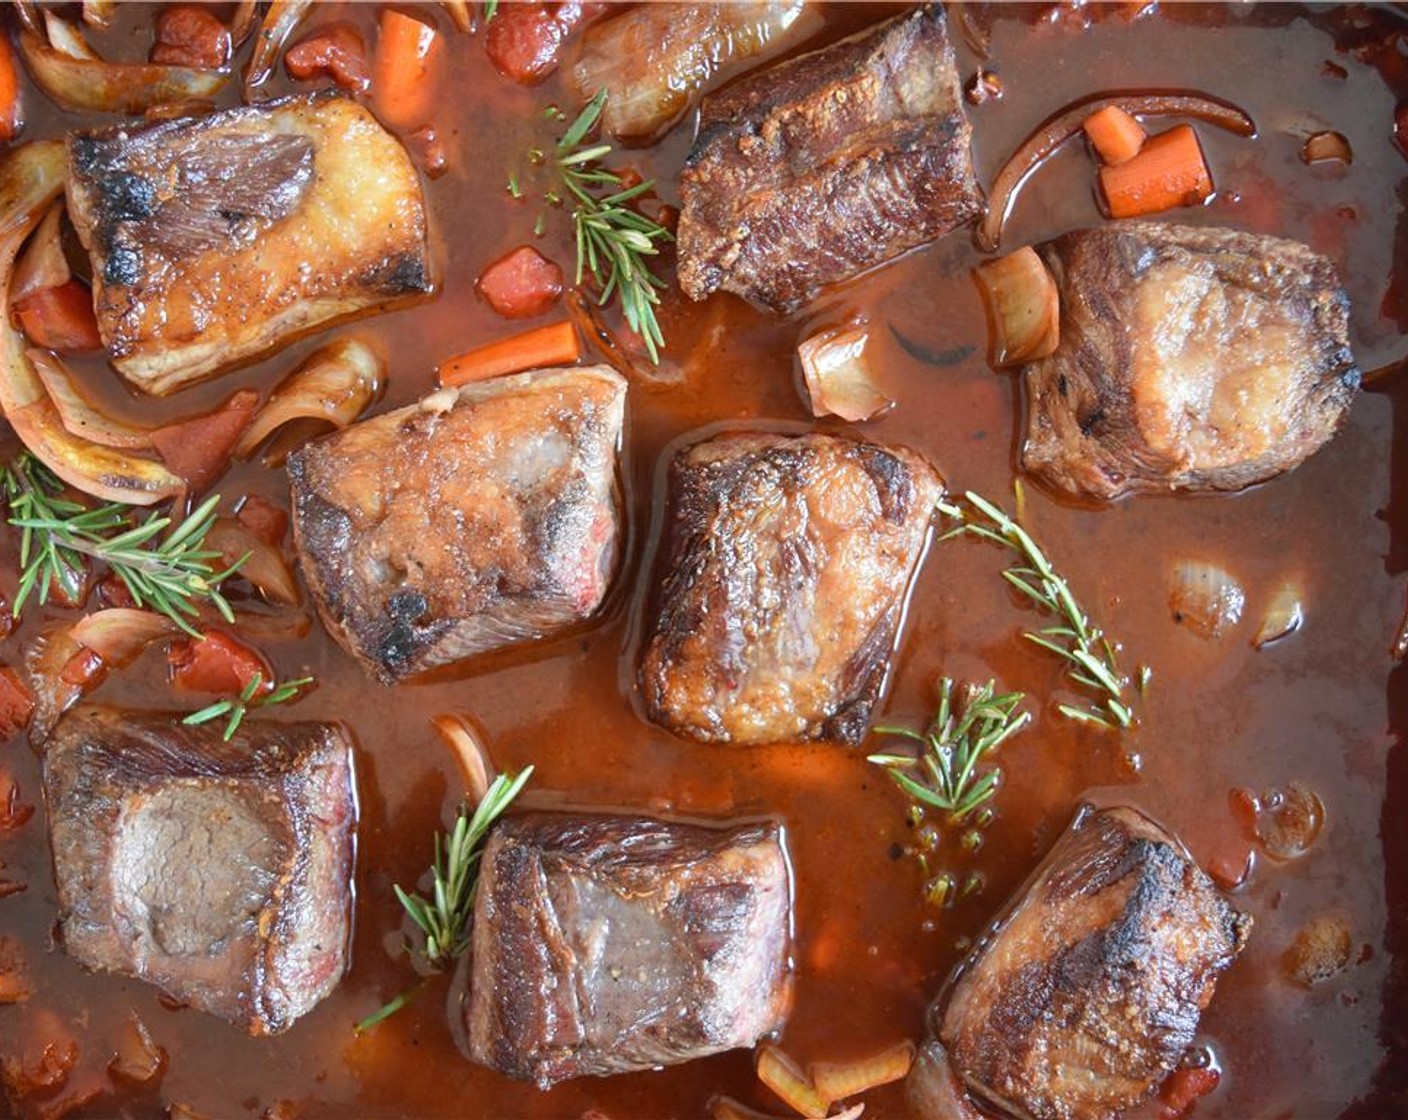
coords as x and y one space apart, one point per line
189 35
521 284
335 52
218 663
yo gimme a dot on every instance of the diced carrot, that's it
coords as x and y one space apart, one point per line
553 345
199 449
60 318
189 35
16 703
1169 171
11 120
521 284
1115 135
523 42
1183 1088
407 50
336 52
264 519
217 663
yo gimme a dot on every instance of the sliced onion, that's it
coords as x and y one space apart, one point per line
242 22
85 81
280 22
839 1080
839 380
1023 305
31 178
66 38
459 14
119 634
1206 597
1284 615
30 18
49 661
475 767
785 1078
99 13
139 1060
329 390
265 566
1327 147
43 263
78 415
655 60
1057 129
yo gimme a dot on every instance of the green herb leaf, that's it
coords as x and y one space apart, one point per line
237 707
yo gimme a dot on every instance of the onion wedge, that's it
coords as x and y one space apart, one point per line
42 264
260 563
328 391
30 179
78 415
458 11
839 380
79 81
1024 307
280 22
476 769
1070 121
119 634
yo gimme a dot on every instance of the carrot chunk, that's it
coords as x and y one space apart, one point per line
1169 171
217 663
60 318
1115 135
11 120
406 52
554 345
521 284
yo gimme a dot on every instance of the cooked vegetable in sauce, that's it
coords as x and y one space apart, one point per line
922 491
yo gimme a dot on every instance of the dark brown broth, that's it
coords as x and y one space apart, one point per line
1219 715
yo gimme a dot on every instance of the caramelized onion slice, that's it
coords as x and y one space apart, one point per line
260 563
838 1080
1057 129
118 635
31 177
42 264
655 60
1327 147
839 379
1023 305
785 1078
458 11
475 767
1285 615
84 81
330 389
1206 597
79 416
280 22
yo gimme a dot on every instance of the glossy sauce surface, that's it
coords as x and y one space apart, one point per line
1320 707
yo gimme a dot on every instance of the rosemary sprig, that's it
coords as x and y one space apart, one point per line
1089 653
169 575
235 708
954 746
444 918
491 9
613 240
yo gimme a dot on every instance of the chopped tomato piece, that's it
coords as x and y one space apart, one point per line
264 519
199 449
11 120
218 663
189 35
521 284
524 41
407 55
335 52
60 318
16 703
1183 1088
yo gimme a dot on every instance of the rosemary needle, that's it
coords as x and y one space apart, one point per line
169 574
613 240
235 708
1089 653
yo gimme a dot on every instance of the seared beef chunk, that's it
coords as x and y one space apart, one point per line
1089 991
817 169
607 943
1190 359
216 238
478 518
790 559
221 872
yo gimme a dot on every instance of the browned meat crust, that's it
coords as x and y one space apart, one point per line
789 562
1090 989
607 943
473 520
1190 359
812 171
217 238
221 872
